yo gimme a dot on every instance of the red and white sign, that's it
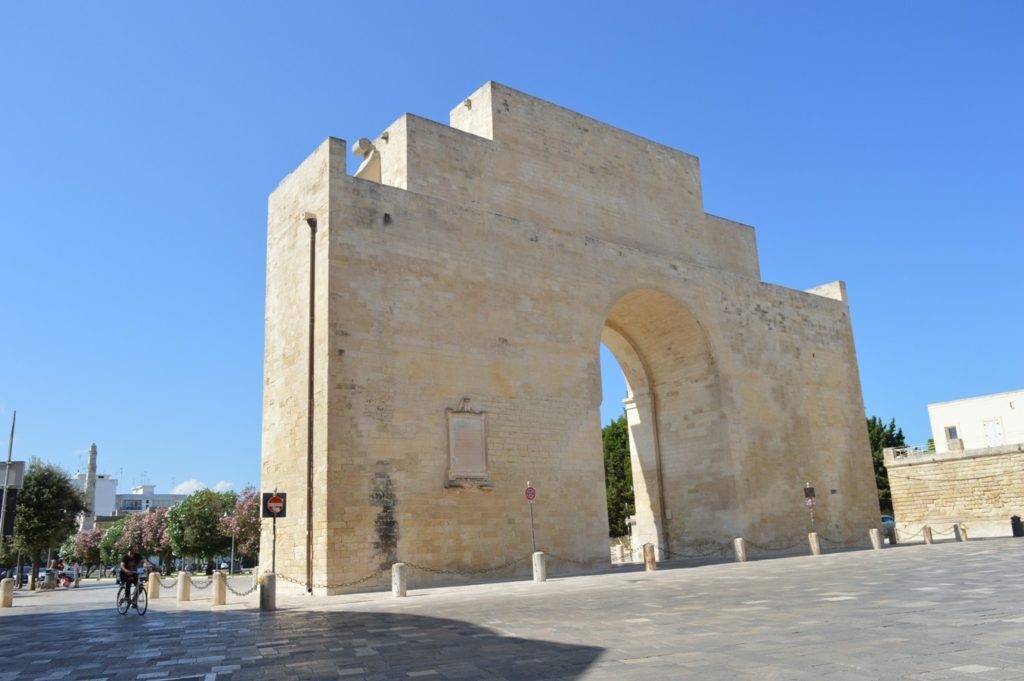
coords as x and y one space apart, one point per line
531 494
275 504
810 502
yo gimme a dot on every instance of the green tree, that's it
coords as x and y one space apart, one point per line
48 509
883 435
111 548
618 475
194 525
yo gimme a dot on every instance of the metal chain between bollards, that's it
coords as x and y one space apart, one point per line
339 585
837 542
195 585
164 584
242 594
573 561
702 552
468 571
900 537
773 548
949 531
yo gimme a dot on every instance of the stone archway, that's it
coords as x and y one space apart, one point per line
432 346
682 474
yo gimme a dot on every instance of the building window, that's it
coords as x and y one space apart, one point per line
951 433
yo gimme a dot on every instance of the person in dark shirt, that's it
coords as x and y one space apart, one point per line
130 563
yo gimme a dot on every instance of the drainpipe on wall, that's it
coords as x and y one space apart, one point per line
310 219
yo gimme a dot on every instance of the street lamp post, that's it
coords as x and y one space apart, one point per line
231 565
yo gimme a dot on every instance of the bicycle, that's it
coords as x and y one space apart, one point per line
139 600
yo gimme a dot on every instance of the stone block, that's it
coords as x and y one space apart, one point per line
540 567
399 576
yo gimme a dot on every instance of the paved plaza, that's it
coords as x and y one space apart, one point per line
947 611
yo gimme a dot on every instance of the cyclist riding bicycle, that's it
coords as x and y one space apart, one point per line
130 563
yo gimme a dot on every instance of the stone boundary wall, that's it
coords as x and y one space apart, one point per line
981 488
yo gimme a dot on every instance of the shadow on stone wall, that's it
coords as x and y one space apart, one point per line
247 644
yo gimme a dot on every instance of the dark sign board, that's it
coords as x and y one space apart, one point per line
275 504
12 507
809 492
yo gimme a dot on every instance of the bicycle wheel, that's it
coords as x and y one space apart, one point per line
122 601
141 600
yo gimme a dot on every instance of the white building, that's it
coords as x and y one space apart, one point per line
978 422
143 498
106 493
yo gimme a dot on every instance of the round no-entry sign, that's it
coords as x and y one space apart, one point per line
810 502
275 504
531 493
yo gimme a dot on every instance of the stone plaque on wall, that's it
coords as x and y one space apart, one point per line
467 445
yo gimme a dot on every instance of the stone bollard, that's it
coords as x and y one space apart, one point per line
649 561
956 532
812 539
398 580
6 593
219 589
268 597
540 567
153 588
926 532
621 550
184 587
739 547
876 538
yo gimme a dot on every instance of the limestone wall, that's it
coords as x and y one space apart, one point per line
469 272
981 488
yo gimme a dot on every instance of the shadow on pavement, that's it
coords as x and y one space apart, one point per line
283 644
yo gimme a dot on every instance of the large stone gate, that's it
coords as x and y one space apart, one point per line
432 332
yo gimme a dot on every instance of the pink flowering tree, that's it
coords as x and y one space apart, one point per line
83 548
243 523
147 532
155 537
132 535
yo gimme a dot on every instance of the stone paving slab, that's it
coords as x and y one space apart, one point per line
951 611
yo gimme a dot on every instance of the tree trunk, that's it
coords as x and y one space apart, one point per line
34 572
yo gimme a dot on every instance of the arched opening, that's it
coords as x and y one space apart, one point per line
683 476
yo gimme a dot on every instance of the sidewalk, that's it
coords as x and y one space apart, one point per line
920 612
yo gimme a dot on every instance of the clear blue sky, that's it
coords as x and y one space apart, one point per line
880 143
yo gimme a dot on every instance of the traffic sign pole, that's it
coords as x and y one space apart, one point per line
809 495
273 542
533 534
531 494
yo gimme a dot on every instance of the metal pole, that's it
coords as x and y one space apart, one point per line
273 546
533 535
7 477
231 565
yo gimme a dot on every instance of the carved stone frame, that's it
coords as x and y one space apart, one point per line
459 473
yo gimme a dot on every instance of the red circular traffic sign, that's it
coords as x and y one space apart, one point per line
810 502
531 493
275 505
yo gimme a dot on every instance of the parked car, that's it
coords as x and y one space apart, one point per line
889 528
